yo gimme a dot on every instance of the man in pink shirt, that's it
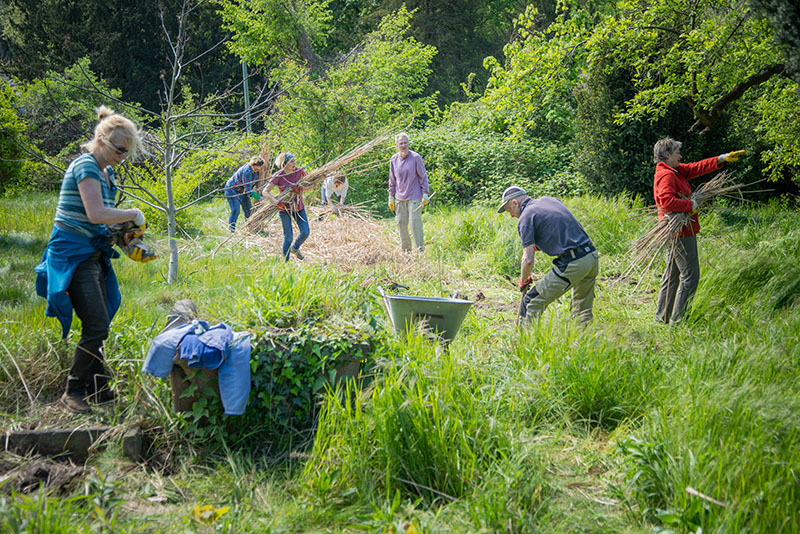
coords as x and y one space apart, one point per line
408 188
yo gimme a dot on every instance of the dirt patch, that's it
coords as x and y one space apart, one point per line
26 474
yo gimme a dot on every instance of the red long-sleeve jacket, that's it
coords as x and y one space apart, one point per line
672 191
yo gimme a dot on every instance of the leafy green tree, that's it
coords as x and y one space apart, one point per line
616 158
781 111
463 32
635 73
784 15
703 53
531 93
267 31
377 88
780 127
123 41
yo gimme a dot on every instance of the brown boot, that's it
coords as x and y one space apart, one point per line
75 403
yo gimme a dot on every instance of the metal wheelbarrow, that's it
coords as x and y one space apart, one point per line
442 315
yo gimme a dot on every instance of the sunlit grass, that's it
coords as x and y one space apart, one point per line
500 431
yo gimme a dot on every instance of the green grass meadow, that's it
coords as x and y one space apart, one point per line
626 426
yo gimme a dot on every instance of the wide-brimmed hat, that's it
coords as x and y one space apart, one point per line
511 192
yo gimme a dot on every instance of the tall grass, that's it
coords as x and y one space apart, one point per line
549 429
430 429
586 378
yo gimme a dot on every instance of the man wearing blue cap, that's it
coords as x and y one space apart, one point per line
546 224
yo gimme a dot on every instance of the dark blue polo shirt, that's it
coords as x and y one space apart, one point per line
547 223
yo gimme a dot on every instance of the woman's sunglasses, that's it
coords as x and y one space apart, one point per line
118 150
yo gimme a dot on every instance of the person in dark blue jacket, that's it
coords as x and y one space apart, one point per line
240 187
76 272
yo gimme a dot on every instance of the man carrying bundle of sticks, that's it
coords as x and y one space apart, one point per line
672 194
546 224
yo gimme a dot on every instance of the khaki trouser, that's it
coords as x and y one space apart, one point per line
405 210
679 282
580 275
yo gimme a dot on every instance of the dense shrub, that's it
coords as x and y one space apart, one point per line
11 125
290 369
210 169
477 167
60 109
151 177
617 158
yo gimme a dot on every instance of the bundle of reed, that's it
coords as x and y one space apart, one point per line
664 233
267 210
351 211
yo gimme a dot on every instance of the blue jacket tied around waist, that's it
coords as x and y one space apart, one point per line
65 251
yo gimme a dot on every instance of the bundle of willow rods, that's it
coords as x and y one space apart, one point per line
267 209
351 211
664 234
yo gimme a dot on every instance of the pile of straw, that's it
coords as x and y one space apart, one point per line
353 239
266 209
350 211
664 234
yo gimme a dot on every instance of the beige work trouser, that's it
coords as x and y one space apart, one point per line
405 210
580 275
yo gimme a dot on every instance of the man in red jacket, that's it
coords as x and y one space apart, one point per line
673 194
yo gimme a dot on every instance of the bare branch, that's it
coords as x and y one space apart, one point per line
98 90
128 192
28 149
208 51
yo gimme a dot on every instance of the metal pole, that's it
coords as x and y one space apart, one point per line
246 96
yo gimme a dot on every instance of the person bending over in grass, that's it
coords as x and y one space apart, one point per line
76 271
335 184
546 224
672 194
289 176
240 187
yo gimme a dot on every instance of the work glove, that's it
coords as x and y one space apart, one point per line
732 156
425 199
391 202
138 251
297 189
695 207
283 206
525 285
255 195
139 220
136 232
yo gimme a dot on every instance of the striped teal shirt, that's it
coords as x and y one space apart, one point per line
70 212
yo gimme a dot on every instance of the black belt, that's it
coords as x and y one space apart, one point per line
577 252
